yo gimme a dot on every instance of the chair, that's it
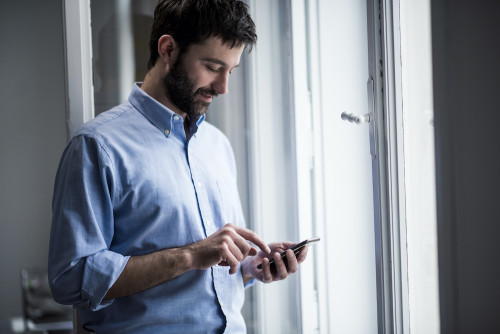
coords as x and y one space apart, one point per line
41 313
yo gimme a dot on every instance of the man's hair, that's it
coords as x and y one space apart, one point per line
193 21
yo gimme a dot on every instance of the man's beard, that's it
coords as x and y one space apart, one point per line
181 91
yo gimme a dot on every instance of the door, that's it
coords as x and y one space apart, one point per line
349 215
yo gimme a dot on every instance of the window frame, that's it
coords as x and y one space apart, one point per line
387 100
387 61
78 64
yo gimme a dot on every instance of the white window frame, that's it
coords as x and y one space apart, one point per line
78 58
391 238
396 291
415 110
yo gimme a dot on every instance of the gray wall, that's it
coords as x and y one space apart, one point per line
32 136
466 60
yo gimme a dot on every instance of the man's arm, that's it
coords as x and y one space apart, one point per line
228 246
147 271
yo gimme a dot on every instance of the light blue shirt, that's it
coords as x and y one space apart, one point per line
129 184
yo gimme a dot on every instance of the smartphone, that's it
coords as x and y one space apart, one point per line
296 248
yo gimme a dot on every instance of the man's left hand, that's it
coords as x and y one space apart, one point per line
279 270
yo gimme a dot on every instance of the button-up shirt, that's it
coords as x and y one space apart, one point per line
130 183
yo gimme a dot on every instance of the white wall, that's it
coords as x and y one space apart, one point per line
32 137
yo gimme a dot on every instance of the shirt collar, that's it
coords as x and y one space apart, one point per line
162 117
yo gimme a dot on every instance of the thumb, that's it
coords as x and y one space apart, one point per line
252 252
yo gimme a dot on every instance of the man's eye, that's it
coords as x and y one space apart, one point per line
212 69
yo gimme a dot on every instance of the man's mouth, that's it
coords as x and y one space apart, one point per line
207 95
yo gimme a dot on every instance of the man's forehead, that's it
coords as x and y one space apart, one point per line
214 50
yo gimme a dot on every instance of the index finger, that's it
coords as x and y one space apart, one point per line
253 237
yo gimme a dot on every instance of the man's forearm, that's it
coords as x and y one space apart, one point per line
228 247
147 271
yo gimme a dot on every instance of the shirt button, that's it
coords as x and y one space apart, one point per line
221 303
167 131
199 184
208 222
176 117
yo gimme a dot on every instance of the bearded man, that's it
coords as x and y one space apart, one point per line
148 234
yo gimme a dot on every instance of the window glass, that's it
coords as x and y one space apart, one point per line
120 47
120 37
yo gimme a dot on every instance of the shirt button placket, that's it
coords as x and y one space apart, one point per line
201 196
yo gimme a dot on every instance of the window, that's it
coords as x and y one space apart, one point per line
366 189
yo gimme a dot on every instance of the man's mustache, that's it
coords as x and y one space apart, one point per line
206 91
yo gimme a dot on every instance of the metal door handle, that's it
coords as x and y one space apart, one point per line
358 119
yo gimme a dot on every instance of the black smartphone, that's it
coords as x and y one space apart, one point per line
296 248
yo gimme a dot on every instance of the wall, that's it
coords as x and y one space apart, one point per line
466 55
32 137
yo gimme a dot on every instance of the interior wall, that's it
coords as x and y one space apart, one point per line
466 67
32 137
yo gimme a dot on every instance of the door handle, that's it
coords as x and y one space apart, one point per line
358 119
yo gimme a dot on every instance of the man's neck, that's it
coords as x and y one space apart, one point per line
153 86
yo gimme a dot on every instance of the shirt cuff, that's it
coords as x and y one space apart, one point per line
250 283
101 272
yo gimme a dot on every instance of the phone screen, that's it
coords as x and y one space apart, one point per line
296 249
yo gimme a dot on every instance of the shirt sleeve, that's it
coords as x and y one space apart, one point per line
250 283
81 266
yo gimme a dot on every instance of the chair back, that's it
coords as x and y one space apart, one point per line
40 311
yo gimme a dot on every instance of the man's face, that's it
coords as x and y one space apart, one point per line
200 74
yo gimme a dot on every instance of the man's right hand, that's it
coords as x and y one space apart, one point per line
226 247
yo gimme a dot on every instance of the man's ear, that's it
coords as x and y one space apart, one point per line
167 49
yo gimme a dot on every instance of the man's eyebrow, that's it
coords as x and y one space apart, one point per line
217 61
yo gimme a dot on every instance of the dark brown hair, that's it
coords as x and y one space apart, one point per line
193 21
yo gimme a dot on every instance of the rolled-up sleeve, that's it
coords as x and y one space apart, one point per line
81 266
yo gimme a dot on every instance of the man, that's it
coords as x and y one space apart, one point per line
147 233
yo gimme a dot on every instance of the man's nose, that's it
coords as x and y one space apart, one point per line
221 83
